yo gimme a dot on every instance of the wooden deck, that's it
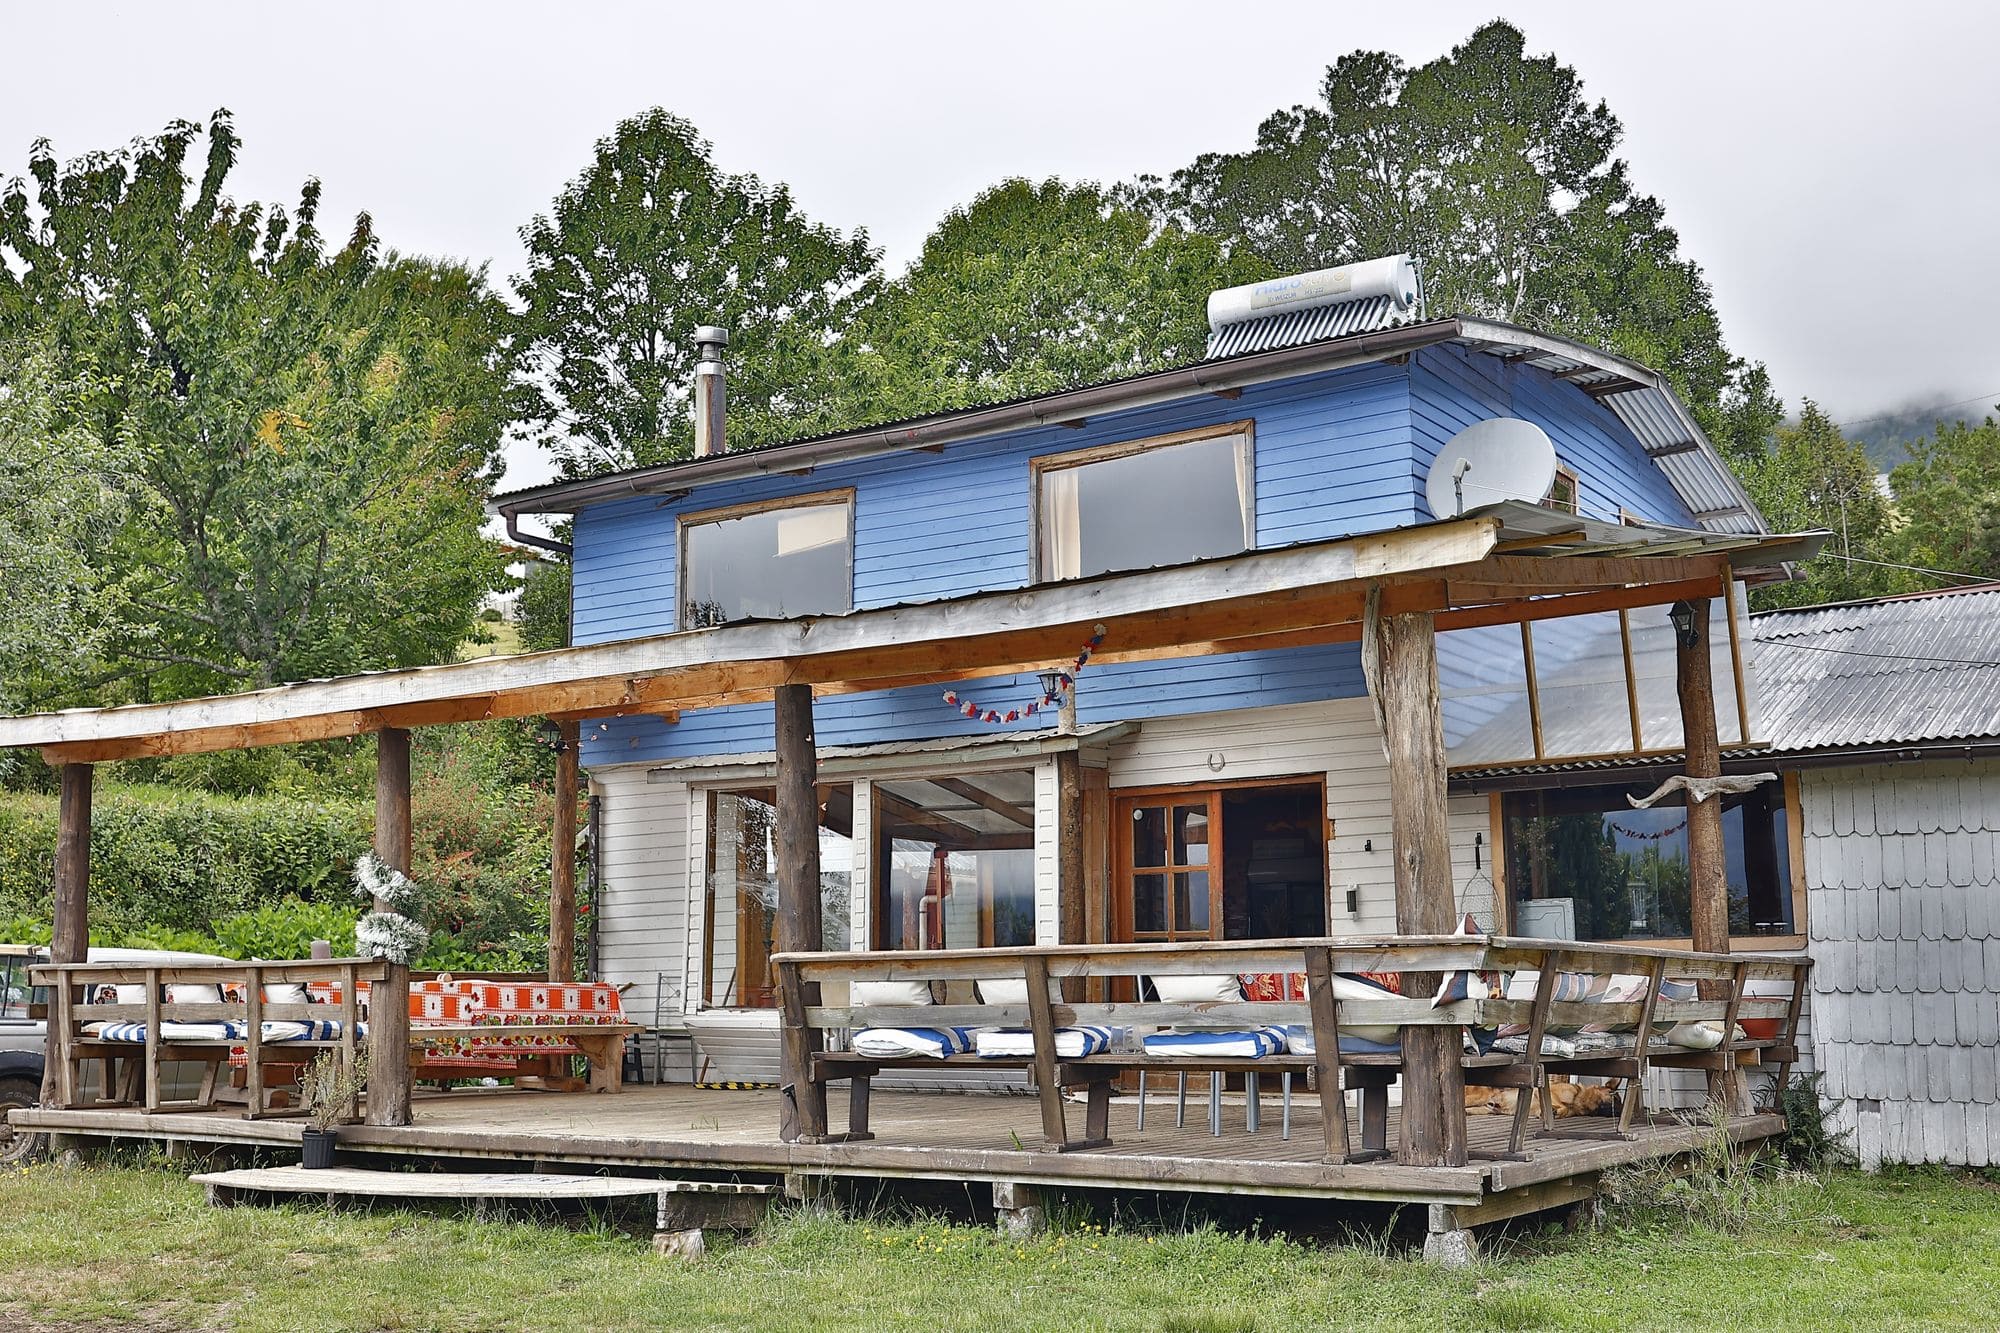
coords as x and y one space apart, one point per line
933 1136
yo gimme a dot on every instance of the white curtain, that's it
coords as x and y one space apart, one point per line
1062 524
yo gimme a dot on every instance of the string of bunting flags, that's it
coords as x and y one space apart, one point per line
1064 680
1638 836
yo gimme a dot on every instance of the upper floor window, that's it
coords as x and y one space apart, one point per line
1144 503
1563 491
768 561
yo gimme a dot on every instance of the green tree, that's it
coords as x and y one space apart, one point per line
1948 500
1032 289
1813 477
1496 171
306 439
544 605
650 242
58 508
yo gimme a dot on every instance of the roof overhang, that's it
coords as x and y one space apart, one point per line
1506 563
1640 398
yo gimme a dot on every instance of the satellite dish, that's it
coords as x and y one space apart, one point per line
1504 458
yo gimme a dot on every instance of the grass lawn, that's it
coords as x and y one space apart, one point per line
99 1246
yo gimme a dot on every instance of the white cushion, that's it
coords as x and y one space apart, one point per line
284 992
193 992
1198 990
1003 991
128 995
872 994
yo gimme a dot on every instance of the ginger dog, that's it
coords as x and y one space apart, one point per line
1569 1099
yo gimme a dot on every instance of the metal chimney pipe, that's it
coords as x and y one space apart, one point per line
709 391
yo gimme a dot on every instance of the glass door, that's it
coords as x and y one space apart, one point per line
1167 849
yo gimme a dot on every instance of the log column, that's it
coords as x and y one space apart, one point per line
1433 1128
389 1005
70 942
562 860
802 1103
1708 880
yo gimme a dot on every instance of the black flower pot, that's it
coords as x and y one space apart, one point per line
316 1148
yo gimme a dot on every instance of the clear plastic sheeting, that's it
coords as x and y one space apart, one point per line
1580 685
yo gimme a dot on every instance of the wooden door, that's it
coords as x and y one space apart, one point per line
1167 866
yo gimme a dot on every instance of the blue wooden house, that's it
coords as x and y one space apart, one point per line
1219 795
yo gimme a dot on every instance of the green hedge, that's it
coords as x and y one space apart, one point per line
172 860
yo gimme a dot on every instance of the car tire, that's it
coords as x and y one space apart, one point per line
19 1147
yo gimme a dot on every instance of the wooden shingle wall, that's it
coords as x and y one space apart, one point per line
1903 912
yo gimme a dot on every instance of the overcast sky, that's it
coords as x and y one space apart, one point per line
1832 166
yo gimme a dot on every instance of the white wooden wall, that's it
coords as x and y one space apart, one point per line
642 905
1338 741
1903 916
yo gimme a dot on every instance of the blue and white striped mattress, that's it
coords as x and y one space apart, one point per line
894 1043
318 1029
1071 1043
1251 1044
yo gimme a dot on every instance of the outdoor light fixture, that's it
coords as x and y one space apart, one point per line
1051 682
1686 632
550 734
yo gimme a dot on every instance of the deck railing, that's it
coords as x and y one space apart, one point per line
1723 985
133 1070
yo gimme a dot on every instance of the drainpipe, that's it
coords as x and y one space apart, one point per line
709 391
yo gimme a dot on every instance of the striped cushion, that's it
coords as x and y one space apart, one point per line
1071 1043
1253 1044
890 1043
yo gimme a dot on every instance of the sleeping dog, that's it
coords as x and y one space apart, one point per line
1569 1099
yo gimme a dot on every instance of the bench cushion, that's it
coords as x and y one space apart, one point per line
1071 1043
1251 1044
894 1043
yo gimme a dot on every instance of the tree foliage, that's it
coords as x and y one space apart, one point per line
59 505
1948 500
1496 171
1812 477
650 242
305 438
1031 289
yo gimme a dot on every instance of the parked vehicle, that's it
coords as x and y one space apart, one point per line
24 1031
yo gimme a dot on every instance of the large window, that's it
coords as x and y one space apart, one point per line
1138 505
1583 864
955 861
739 925
767 562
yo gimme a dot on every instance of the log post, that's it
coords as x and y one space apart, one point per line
562 859
389 1003
1708 877
70 942
802 1102
1070 888
1406 682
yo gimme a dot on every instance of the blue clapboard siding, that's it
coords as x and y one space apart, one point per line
1337 453
1450 388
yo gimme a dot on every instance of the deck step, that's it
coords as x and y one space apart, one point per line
680 1205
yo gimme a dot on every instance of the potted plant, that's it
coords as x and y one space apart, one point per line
327 1086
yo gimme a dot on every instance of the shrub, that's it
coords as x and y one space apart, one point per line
1808 1140
287 929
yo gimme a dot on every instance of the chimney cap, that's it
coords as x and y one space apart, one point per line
711 333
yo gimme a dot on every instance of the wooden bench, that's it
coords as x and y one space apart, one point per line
1332 1072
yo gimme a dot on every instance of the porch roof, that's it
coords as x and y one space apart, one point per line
1500 564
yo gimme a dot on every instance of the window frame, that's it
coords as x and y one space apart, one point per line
1102 453
1575 506
1795 857
685 523
876 890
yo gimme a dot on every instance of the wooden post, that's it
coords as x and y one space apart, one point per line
70 942
562 861
802 1102
1406 682
1708 880
1071 892
389 1003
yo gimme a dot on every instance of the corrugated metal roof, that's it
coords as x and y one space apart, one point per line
1297 327
1899 670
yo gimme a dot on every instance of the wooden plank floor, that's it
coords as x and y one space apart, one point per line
937 1136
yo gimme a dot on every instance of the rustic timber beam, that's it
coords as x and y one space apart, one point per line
70 940
1708 882
562 856
985 800
389 998
801 1101
1404 677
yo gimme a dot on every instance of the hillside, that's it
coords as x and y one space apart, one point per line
1885 436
